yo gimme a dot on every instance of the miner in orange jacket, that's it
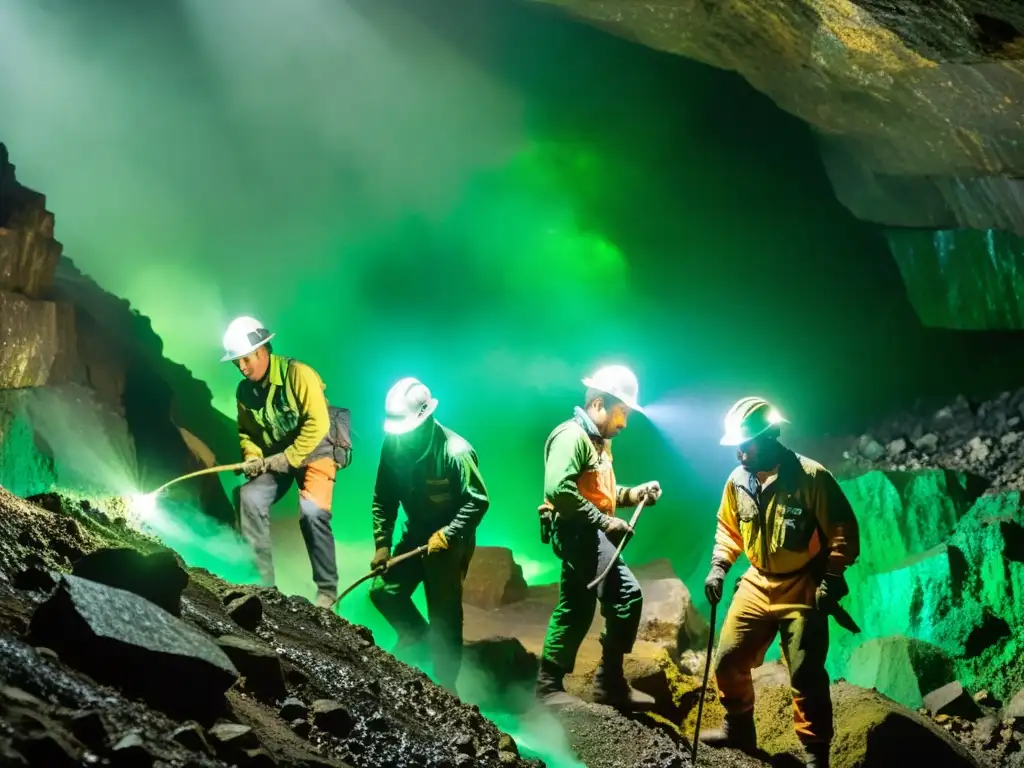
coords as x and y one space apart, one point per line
795 525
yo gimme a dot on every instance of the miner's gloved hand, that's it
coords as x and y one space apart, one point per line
832 589
714 582
617 529
277 463
437 542
380 558
253 467
651 490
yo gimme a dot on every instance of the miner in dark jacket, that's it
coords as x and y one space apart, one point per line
432 473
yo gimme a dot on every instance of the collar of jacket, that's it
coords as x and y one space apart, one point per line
789 471
588 424
275 372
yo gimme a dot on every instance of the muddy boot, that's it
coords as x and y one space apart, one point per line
737 731
550 690
611 688
817 755
324 599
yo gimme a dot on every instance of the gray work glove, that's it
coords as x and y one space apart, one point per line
252 468
831 590
714 582
380 558
651 490
617 529
277 463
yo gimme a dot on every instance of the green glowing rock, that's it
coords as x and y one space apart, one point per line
957 592
963 278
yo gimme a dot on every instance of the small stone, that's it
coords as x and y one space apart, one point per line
300 728
507 744
131 752
896 447
332 717
507 758
986 699
247 612
191 736
464 760
927 443
979 449
235 735
952 699
1010 438
986 732
464 744
870 448
293 709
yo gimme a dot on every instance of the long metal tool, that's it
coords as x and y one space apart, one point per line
190 475
421 550
704 685
618 551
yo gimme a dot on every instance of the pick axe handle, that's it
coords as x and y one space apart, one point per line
618 550
421 550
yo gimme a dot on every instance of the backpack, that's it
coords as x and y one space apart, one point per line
339 435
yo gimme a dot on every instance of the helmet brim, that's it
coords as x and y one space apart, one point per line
633 405
239 355
733 440
408 424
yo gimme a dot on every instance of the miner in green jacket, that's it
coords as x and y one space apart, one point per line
431 472
580 491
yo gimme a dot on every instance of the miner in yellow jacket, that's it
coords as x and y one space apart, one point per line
283 423
795 525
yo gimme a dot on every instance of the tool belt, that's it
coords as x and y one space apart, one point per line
547 521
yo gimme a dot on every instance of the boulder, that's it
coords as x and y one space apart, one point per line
951 699
901 668
28 255
258 665
331 717
870 730
160 659
158 576
246 610
494 579
29 341
669 617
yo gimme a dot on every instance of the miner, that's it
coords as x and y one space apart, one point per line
582 497
431 472
283 424
796 527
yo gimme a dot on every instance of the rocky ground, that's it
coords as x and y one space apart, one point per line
983 437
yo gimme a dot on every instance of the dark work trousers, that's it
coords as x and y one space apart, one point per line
443 574
585 552
315 492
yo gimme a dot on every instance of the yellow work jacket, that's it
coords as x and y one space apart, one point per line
784 525
285 412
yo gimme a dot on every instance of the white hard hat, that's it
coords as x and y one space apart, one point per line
408 405
617 381
748 418
244 335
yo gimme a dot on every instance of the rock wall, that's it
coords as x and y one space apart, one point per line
939 589
88 402
917 107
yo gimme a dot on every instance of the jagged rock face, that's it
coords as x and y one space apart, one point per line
939 593
99 364
918 109
918 106
964 279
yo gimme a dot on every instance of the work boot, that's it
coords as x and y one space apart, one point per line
550 689
324 599
737 731
611 688
817 754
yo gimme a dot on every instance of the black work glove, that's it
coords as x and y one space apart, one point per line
380 558
617 530
252 468
714 582
277 463
831 590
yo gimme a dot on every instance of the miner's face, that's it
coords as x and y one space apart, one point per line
254 365
608 420
759 454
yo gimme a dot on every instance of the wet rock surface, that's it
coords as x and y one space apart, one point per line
362 707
